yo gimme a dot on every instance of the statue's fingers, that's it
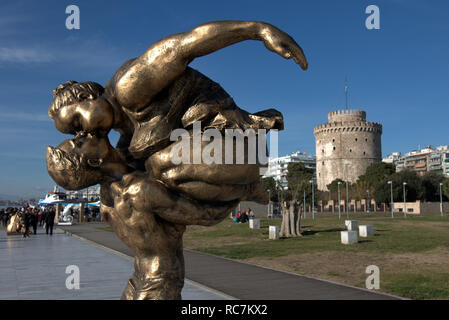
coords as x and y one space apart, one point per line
299 56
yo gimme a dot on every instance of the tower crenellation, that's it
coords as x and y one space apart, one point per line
346 115
346 146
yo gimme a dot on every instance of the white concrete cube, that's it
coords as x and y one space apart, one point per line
273 233
351 225
254 223
349 237
366 231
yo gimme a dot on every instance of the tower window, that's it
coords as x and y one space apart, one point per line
333 140
350 150
334 148
366 140
355 139
364 152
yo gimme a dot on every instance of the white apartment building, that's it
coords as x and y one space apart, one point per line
392 158
278 167
422 160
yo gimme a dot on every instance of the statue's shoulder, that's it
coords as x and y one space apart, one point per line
110 85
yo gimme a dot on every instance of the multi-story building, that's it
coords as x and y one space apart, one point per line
422 160
435 162
444 152
418 160
392 158
278 167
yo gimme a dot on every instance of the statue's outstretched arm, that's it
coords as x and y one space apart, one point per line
141 79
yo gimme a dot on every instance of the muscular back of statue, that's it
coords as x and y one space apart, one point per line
146 197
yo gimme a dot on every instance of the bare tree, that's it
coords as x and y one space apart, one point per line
291 222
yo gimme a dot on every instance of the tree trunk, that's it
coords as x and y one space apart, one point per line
291 223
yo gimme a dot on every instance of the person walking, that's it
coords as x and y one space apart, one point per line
49 221
44 217
33 220
39 217
26 222
3 215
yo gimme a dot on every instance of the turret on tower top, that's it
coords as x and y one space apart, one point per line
346 116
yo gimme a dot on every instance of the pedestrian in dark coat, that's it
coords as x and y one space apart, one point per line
26 222
33 220
49 221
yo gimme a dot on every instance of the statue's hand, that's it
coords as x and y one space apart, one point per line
281 43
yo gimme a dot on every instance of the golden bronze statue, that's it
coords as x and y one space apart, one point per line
16 224
146 197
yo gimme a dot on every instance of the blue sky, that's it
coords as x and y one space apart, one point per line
398 74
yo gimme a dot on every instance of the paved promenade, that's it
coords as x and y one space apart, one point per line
35 268
236 279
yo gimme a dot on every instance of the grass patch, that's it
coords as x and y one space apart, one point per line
419 286
399 245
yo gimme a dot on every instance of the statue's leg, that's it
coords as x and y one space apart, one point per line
163 288
130 290
157 276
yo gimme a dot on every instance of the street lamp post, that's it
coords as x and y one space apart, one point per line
269 214
304 203
313 201
441 200
347 192
339 206
405 203
392 203
368 202
347 200
279 206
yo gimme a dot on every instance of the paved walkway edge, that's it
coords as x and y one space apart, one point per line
129 258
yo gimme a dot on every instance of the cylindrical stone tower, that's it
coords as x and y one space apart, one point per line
346 146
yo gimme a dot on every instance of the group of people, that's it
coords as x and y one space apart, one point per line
29 218
244 216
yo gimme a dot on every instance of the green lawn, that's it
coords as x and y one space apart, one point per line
412 253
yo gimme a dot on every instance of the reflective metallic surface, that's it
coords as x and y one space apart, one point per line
15 225
146 198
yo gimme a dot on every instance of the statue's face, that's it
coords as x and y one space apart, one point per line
76 163
89 115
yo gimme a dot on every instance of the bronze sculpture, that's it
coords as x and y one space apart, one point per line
15 225
146 197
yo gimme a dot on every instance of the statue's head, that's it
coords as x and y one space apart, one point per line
84 161
80 106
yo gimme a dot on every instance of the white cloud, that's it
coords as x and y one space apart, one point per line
23 55
24 116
